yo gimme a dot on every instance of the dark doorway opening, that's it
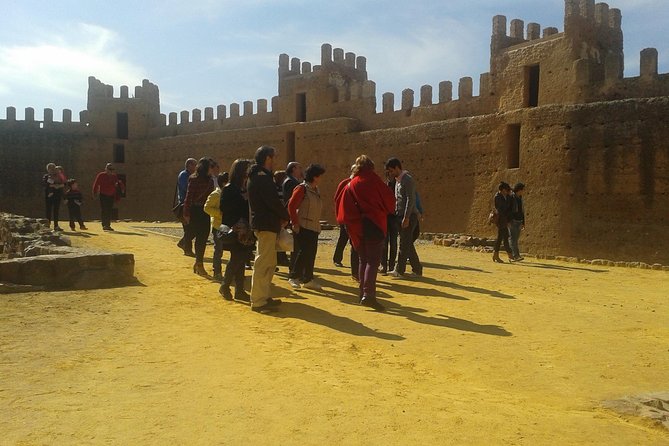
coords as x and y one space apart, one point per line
513 146
532 76
290 147
301 107
122 125
119 153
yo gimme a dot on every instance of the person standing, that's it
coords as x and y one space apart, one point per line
407 214
74 199
279 177
186 241
213 208
503 211
363 206
390 244
294 176
339 249
235 211
268 216
305 207
53 193
517 223
199 188
105 186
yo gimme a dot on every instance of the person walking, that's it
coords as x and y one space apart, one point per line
305 207
186 241
199 188
407 214
234 208
53 193
517 223
105 186
390 244
503 212
213 208
363 206
268 216
74 199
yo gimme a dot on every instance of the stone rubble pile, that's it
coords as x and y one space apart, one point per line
32 257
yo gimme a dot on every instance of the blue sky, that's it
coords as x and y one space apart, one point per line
204 52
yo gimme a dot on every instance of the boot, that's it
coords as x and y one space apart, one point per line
495 257
224 290
198 268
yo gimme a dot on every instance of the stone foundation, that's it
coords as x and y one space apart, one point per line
34 257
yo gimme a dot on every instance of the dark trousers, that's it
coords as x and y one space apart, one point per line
305 255
218 253
407 248
234 270
370 256
390 244
502 237
355 263
106 206
200 224
186 241
74 211
53 206
338 255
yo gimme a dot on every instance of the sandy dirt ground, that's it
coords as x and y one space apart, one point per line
474 353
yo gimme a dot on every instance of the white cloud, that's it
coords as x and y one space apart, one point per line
59 65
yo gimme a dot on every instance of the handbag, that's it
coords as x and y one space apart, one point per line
240 233
226 235
284 241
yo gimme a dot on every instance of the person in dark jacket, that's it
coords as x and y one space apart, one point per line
517 223
200 186
74 199
268 216
503 211
235 209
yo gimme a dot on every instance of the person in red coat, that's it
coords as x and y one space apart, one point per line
105 186
363 206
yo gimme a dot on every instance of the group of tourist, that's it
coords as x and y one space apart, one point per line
509 216
58 187
255 199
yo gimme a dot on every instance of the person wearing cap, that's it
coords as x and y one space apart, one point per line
105 186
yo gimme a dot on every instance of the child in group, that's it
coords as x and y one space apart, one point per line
74 199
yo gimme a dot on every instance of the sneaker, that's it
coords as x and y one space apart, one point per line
264 309
312 285
519 258
395 274
371 302
338 264
295 283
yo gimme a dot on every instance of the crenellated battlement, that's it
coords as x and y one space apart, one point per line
47 123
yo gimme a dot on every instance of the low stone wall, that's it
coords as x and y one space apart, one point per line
31 254
487 245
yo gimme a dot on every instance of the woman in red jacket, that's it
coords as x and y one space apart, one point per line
363 206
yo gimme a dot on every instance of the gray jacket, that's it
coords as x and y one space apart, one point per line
405 196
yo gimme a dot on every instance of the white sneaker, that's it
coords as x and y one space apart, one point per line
395 274
294 283
312 285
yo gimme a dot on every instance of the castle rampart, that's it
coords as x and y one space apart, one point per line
553 111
